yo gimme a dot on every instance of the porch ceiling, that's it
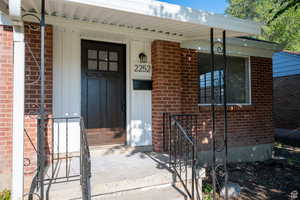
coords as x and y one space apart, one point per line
146 15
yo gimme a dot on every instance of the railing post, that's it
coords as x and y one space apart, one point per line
41 145
170 138
193 172
213 114
67 147
183 152
164 132
80 150
225 115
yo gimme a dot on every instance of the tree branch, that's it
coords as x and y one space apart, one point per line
291 4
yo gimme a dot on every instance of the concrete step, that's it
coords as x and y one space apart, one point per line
157 193
120 173
160 192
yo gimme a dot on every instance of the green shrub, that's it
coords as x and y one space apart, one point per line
5 195
207 188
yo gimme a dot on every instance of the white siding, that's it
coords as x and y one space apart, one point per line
141 118
141 110
66 87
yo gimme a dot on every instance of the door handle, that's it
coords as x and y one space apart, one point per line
123 107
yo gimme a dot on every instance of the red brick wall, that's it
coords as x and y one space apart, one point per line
166 92
32 92
6 104
175 90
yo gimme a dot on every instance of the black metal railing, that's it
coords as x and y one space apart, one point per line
180 141
85 163
60 149
59 154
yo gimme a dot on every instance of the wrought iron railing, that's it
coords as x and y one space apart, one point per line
180 141
59 153
85 163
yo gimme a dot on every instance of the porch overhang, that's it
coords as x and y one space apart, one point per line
236 47
147 16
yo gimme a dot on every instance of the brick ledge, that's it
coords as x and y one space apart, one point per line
230 108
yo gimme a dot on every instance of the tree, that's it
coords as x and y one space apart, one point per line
281 19
244 9
285 6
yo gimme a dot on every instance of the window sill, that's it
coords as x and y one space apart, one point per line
230 108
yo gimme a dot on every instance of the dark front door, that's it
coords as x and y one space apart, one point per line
103 91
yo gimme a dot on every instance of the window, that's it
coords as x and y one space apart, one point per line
103 60
238 89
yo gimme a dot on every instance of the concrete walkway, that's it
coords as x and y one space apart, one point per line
288 136
122 173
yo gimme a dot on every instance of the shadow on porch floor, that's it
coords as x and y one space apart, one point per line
120 172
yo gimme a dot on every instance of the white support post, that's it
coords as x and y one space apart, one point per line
18 100
18 113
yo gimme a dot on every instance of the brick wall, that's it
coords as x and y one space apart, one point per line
286 102
175 90
32 92
166 92
6 104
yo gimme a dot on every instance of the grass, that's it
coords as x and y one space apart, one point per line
5 195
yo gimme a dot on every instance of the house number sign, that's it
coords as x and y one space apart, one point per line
142 68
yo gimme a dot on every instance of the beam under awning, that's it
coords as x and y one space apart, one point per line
236 46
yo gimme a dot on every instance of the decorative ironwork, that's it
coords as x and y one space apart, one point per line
39 181
58 155
181 130
85 163
219 168
181 146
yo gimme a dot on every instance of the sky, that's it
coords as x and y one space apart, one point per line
216 6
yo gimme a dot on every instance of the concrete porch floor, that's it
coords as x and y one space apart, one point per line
121 173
